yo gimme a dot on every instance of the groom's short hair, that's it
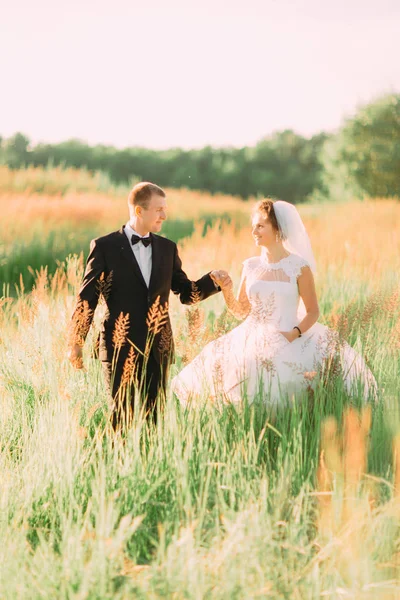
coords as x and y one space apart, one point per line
141 193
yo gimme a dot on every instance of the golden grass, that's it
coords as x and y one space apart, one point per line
52 180
22 212
121 330
359 240
350 240
365 234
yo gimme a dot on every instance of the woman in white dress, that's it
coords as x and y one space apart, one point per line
280 349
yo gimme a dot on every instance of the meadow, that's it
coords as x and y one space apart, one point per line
48 214
233 502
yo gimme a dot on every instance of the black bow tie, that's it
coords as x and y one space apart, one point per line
135 239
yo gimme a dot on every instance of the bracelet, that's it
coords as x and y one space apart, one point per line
298 329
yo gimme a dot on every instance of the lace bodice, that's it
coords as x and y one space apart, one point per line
272 290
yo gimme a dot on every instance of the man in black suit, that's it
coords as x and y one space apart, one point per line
134 270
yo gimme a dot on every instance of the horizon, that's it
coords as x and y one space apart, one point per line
163 149
205 71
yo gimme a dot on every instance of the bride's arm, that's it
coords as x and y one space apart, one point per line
309 296
307 292
239 307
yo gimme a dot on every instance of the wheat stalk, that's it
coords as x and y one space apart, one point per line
157 316
121 330
195 294
129 368
104 285
80 323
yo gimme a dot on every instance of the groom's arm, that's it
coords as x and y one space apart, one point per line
88 295
189 291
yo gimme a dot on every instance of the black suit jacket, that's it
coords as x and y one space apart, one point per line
113 272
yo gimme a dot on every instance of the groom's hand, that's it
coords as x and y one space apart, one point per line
221 278
75 356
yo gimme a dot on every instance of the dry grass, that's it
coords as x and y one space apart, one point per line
350 241
23 213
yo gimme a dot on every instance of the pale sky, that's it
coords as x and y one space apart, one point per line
179 73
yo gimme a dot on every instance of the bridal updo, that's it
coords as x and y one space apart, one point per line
266 209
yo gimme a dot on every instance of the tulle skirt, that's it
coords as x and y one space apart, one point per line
256 360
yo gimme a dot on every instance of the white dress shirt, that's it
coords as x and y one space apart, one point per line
143 255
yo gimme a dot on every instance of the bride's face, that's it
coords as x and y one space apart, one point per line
262 230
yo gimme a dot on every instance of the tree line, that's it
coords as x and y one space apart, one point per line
362 158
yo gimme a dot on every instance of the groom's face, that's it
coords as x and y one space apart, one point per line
155 214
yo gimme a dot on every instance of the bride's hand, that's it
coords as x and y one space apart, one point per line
290 335
221 278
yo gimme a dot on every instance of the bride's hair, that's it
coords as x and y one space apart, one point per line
266 208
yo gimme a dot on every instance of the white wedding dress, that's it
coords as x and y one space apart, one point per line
254 359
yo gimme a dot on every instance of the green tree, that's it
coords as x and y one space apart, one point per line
16 152
366 152
284 165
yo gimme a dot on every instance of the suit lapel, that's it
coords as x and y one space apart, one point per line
156 255
128 255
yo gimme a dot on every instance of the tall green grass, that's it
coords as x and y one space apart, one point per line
214 502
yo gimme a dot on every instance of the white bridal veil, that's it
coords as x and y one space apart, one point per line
295 237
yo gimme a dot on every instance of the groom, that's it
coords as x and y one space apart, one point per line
134 270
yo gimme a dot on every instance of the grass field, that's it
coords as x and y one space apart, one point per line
214 503
48 214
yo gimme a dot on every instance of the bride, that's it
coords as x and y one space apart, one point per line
280 349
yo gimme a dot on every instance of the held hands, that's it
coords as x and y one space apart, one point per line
221 278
